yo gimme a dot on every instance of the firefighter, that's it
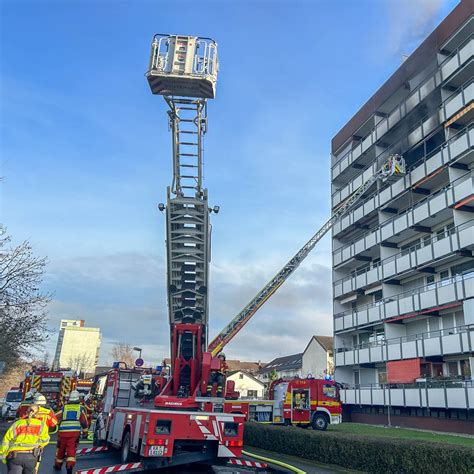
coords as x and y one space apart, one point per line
45 412
23 443
72 418
26 403
217 376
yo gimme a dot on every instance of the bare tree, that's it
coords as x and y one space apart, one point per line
22 304
123 352
80 363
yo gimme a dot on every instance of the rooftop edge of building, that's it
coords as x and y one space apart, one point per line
414 63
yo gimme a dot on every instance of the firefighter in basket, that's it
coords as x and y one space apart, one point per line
217 376
143 387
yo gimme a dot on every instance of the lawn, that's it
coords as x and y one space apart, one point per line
404 433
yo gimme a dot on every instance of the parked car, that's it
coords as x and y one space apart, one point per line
11 404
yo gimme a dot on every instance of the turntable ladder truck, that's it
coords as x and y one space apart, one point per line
392 169
178 426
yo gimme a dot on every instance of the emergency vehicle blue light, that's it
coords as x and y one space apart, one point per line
115 365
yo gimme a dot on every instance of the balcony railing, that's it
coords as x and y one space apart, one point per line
455 340
457 394
447 67
448 291
402 221
429 162
456 100
408 259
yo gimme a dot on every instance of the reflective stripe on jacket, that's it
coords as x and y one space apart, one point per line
48 416
24 435
72 417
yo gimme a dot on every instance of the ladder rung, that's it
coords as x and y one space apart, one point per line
188 131
187 108
188 166
189 187
186 120
187 154
187 176
187 143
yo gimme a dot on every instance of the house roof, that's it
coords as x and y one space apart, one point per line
325 341
291 362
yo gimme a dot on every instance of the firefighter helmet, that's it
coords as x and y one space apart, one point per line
74 396
221 356
30 395
40 399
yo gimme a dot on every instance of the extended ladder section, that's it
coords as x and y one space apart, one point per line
392 169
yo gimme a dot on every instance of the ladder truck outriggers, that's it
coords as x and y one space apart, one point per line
178 425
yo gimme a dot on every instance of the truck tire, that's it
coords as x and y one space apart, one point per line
320 422
126 455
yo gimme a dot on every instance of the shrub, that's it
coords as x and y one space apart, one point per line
364 453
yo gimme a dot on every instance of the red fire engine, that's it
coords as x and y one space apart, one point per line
176 424
301 402
55 385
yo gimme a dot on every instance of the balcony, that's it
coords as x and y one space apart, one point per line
446 394
418 214
461 144
457 101
435 248
447 68
457 340
413 302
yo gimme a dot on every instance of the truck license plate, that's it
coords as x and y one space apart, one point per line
156 451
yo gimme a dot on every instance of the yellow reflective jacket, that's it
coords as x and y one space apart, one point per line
24 435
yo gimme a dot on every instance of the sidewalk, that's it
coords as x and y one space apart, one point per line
310 467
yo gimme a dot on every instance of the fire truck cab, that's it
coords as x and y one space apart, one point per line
301 402
164 437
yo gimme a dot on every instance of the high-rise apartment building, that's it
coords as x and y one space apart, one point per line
78 347
403 267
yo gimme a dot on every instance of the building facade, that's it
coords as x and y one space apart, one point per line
403 267
318 357
246 384
78 347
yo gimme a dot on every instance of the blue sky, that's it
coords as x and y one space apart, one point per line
86 154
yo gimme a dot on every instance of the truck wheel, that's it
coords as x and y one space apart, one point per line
320 422
126 455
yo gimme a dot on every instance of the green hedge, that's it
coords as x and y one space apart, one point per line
364 453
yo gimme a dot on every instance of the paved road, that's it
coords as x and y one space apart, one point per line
110 458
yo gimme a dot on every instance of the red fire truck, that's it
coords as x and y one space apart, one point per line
54 385
301 402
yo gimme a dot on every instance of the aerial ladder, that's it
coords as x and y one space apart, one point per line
392 169
184 70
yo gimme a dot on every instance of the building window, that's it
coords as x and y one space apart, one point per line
430 281
241 376
252 393
356 378
378 297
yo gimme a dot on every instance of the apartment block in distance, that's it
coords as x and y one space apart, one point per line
403 267
78 347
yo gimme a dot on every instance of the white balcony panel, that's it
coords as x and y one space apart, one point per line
393 351
446 294
409 350
396 397
435 162
458 145
466 51
376 354
442 247
371 240
421 212
418 173
456 397
436 398
428 299
462 190
412 101
337 258
364 356
339 359
362 317
424 255
391 309
406 305
357 214
337 290
468 289
348 321
400 224
347 286
385 195
438 203
373 276
365 397
412 397
449 67
470 396
377 396
361 280
453 105
466 237
432 347
374 313
403 263
338 324
465 340
451 344
350 358
387 230
359 246
346 253
348 396
388 268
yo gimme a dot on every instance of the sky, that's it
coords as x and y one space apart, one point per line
85 153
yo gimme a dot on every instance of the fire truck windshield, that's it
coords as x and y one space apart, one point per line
13 397
329 391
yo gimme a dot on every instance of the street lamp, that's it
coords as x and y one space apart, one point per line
139 350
